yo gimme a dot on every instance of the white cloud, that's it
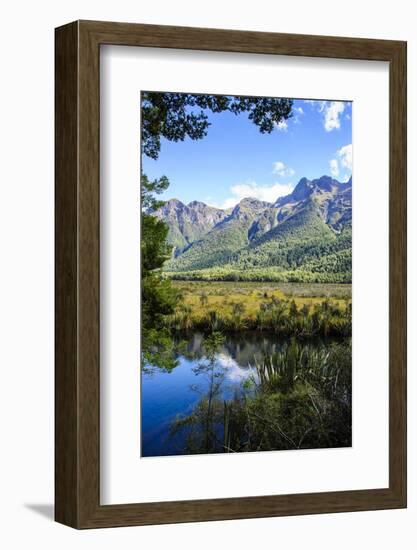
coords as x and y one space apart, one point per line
278 166
319 105
334 167
281 170
297 112
332 114
268 193
332 111
345 156
282 126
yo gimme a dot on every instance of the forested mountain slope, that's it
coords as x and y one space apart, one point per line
303 236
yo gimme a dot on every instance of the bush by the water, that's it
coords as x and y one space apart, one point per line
298 398
282 316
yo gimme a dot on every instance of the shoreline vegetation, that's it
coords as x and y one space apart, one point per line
297 398
300 310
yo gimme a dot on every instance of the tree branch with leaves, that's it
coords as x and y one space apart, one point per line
176 116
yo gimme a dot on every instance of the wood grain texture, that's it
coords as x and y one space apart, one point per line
66 238
398 273
78 284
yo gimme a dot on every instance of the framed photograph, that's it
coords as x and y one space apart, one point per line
230 274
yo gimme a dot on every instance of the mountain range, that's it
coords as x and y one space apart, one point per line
305 236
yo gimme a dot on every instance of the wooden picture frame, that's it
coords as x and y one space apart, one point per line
77 405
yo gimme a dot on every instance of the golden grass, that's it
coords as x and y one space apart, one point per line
220 296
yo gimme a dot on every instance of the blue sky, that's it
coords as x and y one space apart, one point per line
235 160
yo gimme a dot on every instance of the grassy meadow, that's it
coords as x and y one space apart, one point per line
288 308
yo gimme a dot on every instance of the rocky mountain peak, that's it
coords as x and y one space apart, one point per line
302 190
250 203
198 226
173 205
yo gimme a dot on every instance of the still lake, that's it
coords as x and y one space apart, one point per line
166 396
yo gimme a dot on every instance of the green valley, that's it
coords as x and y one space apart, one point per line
303 237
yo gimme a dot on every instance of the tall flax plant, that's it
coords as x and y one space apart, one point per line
323 368
281 370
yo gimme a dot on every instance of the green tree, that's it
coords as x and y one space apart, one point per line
147 190
176 116
159 297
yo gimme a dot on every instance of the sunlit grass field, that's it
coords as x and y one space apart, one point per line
222 296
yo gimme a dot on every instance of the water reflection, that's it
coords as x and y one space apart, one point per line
189 401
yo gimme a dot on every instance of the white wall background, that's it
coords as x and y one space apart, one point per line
26 272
